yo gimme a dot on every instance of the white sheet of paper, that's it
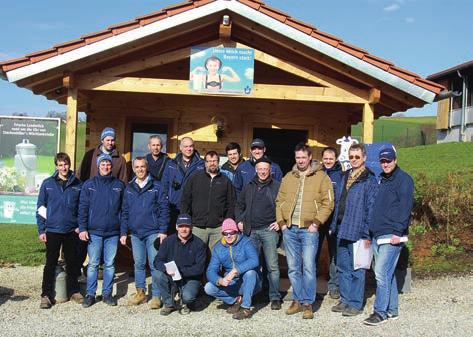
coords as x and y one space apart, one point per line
388 240
42 211
171 267
362 256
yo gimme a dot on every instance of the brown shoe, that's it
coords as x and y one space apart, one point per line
235 307
242 314
294 308
45 303
155 303
138 298
77 298
307 312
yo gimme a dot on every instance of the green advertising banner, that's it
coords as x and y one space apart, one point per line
27 149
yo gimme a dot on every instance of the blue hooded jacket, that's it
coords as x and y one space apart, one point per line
174 177
100 205
145 210
61 202
336 175
246 171
241 255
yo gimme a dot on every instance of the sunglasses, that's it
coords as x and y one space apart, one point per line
354 157
227 234
385 161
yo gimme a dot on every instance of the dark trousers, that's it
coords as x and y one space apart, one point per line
53 246
189 289
332 252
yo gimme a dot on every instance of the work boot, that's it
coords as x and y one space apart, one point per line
294 308
77 298
137 298
165 311
109 300
242 313
233 309
45 303
276 305
88 301
350 311
155 303
307 312
339 307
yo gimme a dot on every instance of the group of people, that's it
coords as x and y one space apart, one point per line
194 222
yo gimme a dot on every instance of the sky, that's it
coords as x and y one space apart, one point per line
422 36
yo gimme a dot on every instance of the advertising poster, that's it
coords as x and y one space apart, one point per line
227 71
27 149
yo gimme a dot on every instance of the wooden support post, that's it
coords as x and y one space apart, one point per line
71 120
368 118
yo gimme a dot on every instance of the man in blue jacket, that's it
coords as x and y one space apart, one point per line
350 224
145 216
333 168
177 172
237 257
56 216
246 170
99 224
156 159
390 222
189 254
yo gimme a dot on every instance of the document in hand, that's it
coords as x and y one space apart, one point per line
362 256
171 268
388 240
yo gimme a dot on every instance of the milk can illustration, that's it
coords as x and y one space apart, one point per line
26 163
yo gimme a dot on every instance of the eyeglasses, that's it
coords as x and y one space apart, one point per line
385 161
227 234
354 157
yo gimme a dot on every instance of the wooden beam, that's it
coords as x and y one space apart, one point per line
225 31
368 119
181 87
375 96
71 125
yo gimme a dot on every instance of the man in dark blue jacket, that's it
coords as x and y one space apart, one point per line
351 223
255 213
333 168
99 224
145 216
246 170
177 172
389 223
156 159
56 216
189 254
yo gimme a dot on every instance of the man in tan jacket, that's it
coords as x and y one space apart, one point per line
304 202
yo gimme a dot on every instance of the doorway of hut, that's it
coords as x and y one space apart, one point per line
280 144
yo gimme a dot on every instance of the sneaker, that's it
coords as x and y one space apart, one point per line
334 294
350 311
339 307
155 303
307 312
88 301
242 313
375 319
393 316
138 298
109 300
185 310
45 303
77 298
294 308
276 305
165 311
233 309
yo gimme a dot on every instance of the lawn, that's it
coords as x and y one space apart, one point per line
80 140
20 244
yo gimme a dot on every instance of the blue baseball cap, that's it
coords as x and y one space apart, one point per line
184 220
387 154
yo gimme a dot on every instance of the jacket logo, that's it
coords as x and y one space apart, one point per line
117 189
91 189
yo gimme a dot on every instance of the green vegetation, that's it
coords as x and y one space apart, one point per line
45 164
20 244
401 131
80 140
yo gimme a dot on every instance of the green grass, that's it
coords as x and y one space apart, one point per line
80 140
437 160
45 164
20 244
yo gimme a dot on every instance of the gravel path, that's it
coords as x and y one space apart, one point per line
437 307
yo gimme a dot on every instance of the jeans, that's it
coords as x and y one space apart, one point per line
332 252
209 235
53 246
268 241
189 289
386 256
97 246
142 249
246 285
352 282
301 247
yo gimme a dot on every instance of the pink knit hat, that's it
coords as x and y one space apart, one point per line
229 225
